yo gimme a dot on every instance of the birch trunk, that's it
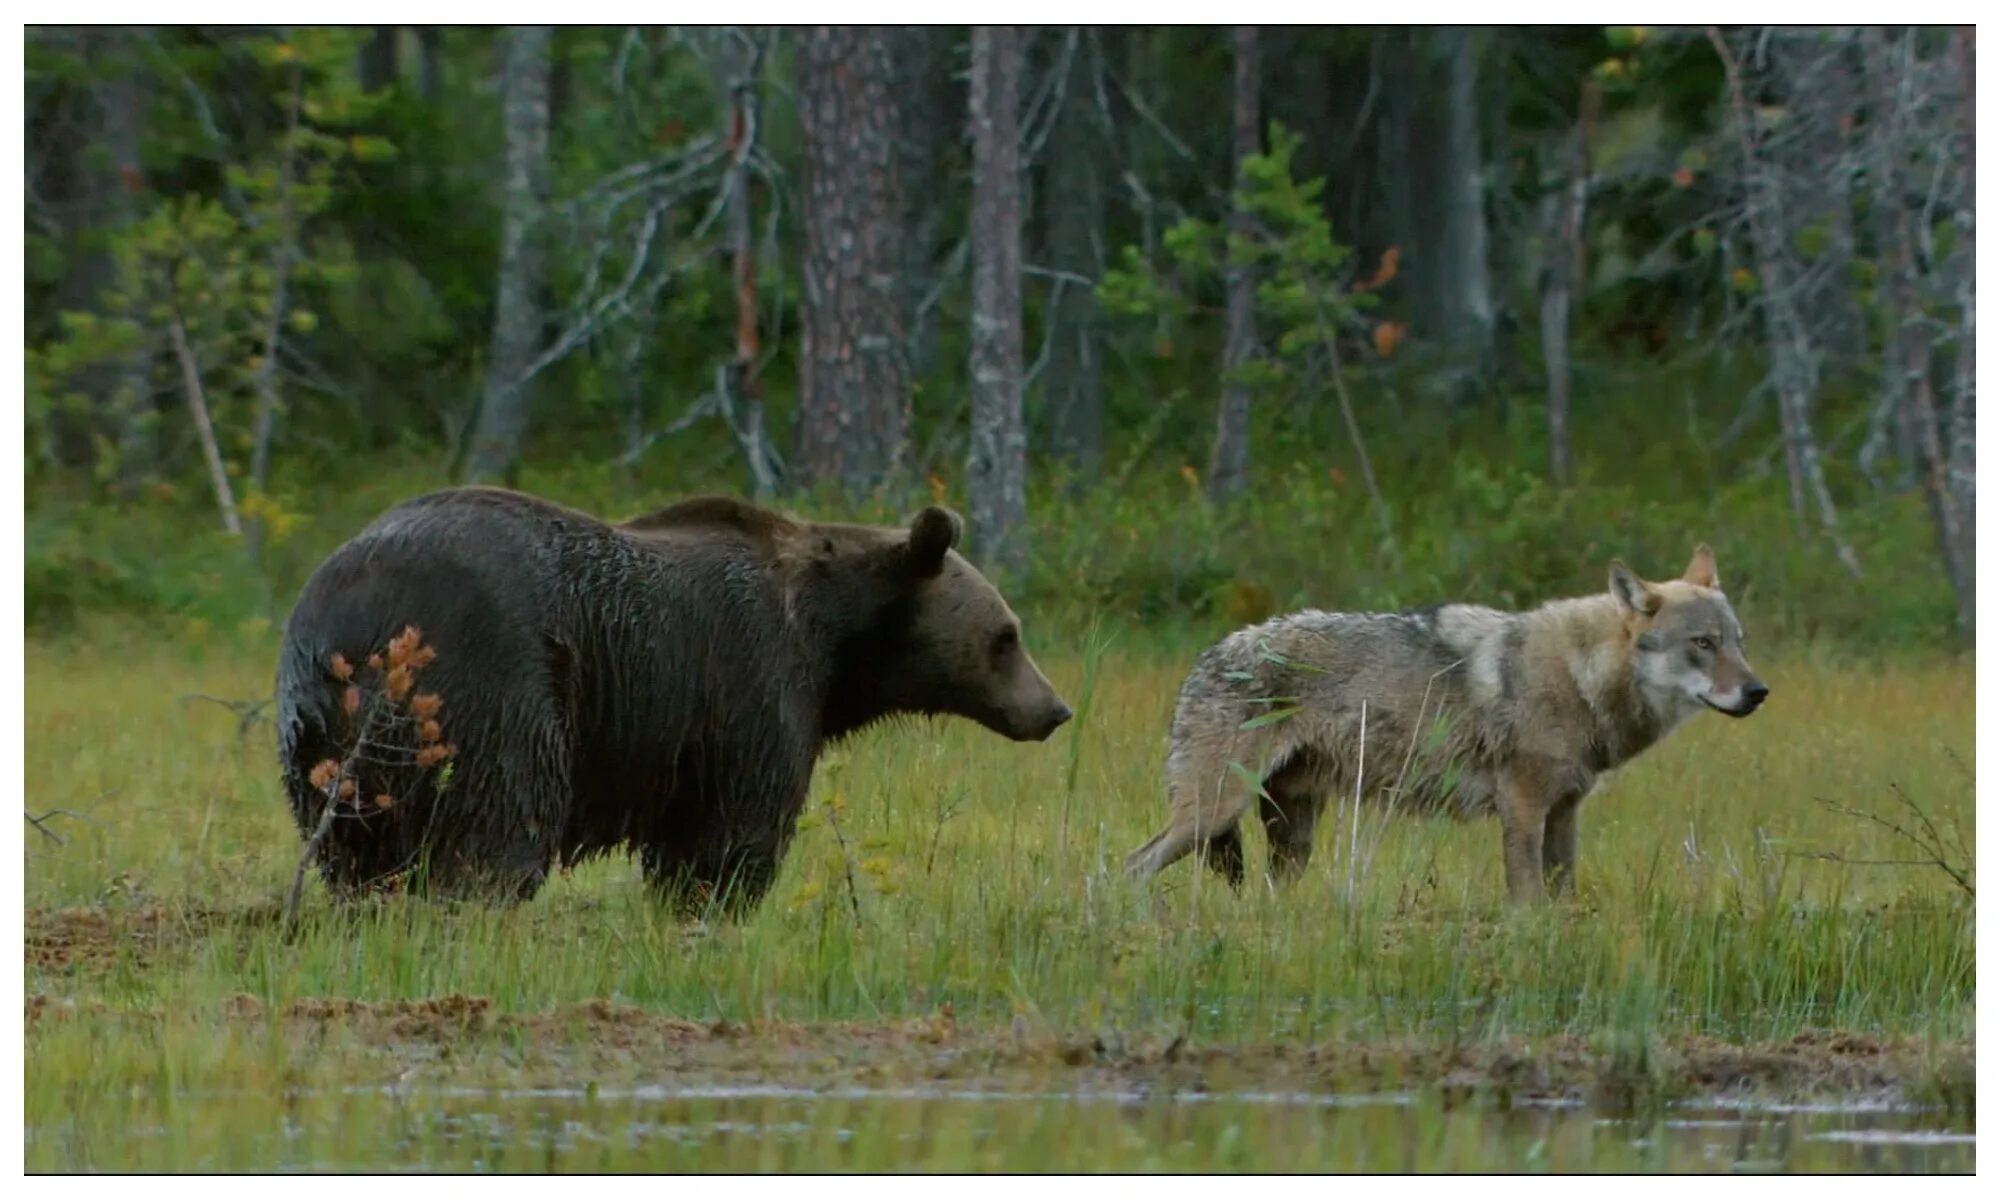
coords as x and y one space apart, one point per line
1964 451
1074 200
197 402
1563 278
742 137
1791 352
1465 283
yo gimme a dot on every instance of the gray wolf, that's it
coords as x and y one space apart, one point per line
661 686
1467 710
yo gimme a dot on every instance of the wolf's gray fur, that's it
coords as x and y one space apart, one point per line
1467 709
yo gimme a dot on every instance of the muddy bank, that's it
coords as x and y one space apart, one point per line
444 1037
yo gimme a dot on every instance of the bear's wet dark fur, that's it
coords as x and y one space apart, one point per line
661 686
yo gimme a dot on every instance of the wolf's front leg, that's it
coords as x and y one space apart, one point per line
1559 846
1524 811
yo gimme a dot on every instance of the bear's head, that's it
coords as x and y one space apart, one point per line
938 639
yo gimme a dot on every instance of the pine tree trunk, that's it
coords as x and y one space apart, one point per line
97 175
1074 202
378 64
517 316
854 396
1465 283
1229 464
430 64
283 248
1397 161
131 409
997 467
922 58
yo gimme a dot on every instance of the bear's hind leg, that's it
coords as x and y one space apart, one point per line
729 881
498 830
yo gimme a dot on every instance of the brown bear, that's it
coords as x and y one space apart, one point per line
662 686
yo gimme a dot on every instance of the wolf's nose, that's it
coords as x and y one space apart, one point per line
1755 693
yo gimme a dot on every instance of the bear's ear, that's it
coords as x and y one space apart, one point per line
1633 592
1701 569
935 531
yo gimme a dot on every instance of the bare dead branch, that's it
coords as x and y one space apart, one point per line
1929 844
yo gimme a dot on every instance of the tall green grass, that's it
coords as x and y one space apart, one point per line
985 874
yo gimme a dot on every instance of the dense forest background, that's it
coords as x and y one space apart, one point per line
1194 324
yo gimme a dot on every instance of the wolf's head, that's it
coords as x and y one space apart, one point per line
1688 642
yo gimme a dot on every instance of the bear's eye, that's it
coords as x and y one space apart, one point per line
1704 642
1004 641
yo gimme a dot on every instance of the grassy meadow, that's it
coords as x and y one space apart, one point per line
952 922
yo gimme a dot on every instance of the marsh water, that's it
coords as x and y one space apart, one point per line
727 1128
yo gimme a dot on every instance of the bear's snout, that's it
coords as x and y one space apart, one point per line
1057 718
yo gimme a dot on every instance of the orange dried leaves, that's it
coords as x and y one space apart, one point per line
403 645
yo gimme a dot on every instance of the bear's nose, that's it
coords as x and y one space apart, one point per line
1058 717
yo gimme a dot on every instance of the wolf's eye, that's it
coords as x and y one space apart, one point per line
1704 642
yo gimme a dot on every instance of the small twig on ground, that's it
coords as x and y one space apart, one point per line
846 862
248 712
326 816
947 809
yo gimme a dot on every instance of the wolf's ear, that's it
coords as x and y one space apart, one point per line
935 531
1633 592
1701 569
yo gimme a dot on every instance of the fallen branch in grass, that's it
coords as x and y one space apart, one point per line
41 823
1929 843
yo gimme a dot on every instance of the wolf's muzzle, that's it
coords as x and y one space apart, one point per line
1753 699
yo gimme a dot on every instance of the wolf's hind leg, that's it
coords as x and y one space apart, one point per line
1559 846
1208 800
1224 855
1293 796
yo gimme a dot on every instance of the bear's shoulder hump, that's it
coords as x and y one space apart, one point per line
716 514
